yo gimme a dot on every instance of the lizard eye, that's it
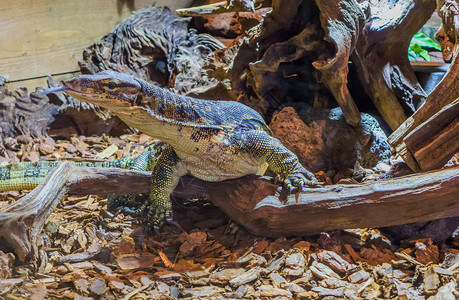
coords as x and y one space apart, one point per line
111 85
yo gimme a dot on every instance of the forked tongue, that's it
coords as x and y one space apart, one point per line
54 90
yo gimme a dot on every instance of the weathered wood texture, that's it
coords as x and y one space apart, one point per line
302 49
342 22
218 7
36 115
430 136
155 45
32 83
251 201
383 69
44 37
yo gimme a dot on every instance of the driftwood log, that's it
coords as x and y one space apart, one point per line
343 23
303 49
156 45
252 201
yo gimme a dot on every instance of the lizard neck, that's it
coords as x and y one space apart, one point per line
168 116
174 108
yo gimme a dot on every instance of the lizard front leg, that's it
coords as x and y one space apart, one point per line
165 176
144 162
280 160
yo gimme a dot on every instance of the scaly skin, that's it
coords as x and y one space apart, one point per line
211 140
27 175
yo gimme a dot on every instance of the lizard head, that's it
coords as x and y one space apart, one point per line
112 90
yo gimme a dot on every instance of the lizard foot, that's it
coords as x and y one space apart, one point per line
154 214
122 202
297 180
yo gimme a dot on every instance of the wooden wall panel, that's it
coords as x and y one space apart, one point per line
42 37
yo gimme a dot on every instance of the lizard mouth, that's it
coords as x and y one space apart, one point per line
69 89
82 96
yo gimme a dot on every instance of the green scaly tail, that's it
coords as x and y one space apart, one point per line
27 175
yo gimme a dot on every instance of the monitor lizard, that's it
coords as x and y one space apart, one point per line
210 140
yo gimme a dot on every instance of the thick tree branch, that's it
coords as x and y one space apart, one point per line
252 201
342 22
383 68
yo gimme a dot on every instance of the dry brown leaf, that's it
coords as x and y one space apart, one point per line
355 256
82 285
81 238
426 252
431 280
294 264
125 246
403 291
224 276
333 260
168 276
260 246
322 271
165 260
143 138
280 243
203 292
323 292
358 277
184 265
191 241
209 263
109 151
270 291
246 277
304 245
6 264
448 292
137 261
98 286
115 283
38 291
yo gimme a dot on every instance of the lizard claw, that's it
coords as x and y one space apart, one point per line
154 215
296 181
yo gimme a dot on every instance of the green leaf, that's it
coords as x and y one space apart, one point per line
425 42
412 55
425 54
420 46
416 48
